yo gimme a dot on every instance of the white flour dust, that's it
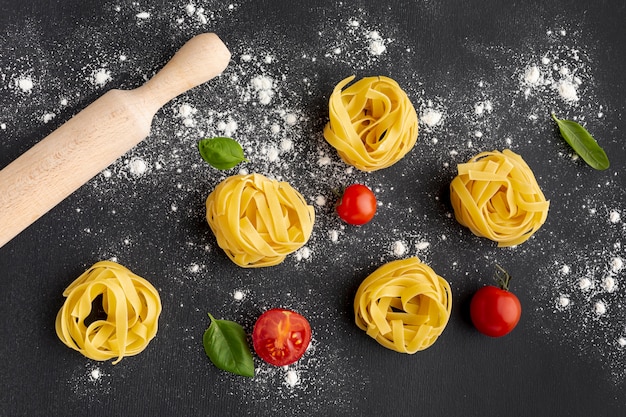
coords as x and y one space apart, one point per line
562 71
354 41
431 117
25 84
263 86
137 167
100 77
90 382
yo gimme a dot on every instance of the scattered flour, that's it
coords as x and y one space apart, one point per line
568 91
483 107
421 246
100 77
264 88
48 117
585 284
138 167
186 112
291 119
399 248
562 69
275 129
564 301
431 117
615 216
304 253
25 84
286 145
376 43
95 374
532 75
89 382
609 284
292 378
272 154
190 9
324 160
358 45
228 127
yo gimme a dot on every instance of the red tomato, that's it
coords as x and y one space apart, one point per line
495 311
357 205
280 336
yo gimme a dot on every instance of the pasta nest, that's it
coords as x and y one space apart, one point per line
258 221
496 196
404 305
131 304
372 122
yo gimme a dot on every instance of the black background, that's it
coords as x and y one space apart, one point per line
554 363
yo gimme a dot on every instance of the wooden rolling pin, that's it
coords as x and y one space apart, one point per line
94 138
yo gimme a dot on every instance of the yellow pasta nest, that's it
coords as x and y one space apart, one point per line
404 305
372 122
131 304
258 221
496 196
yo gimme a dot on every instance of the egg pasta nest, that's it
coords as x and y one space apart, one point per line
258 221
404 305
496 196
372 122
131 304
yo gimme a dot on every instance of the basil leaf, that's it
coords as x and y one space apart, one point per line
221 153
583 143
225 344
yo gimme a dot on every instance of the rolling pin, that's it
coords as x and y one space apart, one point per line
93 139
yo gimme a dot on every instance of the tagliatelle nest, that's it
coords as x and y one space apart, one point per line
404 305
131 304
372 122
496 196
258 221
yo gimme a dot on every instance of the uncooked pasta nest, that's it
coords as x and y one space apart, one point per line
372 122
404 305
258 221
108 312
496 196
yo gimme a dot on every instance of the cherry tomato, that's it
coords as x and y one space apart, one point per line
495 311
357 205
280 337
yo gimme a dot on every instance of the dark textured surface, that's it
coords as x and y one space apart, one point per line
564 363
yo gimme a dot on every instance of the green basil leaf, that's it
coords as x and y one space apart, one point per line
583 143
221 153
225 344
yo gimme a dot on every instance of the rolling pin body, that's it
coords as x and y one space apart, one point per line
93 139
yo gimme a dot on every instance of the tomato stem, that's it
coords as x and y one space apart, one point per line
503 278
337 193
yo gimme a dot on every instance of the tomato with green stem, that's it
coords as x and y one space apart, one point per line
357 205
495 311
280 337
